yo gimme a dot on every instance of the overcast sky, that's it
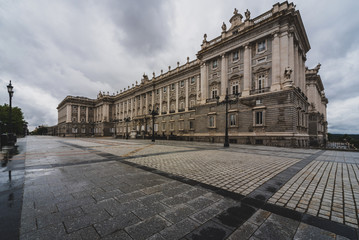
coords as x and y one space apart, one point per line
51 49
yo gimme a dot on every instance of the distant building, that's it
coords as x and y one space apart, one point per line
276 100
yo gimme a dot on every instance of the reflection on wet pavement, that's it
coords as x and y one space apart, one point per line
11 191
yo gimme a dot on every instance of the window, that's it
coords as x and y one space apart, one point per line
232 120
163 127
262 46
182 84
191 103
164 89
173 86
157 91
211 122
173 107
192 80
150 96
214 63
259 118
214 93
191 124
235 89
261 79
182 105
235 56
172 126
181 125
164 109
156 127
83 130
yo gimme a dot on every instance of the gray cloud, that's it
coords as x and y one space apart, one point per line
51 49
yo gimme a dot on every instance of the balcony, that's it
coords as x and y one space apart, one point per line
261 90
211 100
164 112
172 111
181 110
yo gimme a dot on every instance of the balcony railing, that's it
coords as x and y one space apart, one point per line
164 112
211 100
262 90
181 110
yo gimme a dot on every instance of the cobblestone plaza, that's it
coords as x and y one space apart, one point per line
94 188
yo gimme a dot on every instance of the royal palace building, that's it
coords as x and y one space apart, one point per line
254 71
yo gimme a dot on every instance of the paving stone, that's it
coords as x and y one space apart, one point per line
306 231
244 231
146 228
277 227
120 235
114 224
210 231
179 230
177 213
85 221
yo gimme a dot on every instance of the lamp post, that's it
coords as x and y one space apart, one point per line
226 101
11 93
115 121
153 113
127 120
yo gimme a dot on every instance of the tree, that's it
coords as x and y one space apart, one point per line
40 130
19 125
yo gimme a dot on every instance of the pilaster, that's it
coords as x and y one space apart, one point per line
224 76
160 111
247 70
204 83
176 88
276 64
187 94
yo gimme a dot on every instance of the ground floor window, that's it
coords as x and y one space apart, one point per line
211 121
259 118
191 124
232 120
83 130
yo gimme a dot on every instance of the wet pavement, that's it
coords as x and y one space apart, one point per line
104 188
11 194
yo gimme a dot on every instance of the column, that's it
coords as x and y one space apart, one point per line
296 66
136 106
131 108
187 93
160 112
198 88
127 107
247 65
224 76
78 113
146 94
87 114
275 63
141 104
68 113
153 100
168 98
176 88
123 110
204 83
284 59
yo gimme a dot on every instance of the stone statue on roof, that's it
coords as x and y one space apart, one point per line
247 14
224 27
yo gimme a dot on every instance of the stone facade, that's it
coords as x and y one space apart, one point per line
273 98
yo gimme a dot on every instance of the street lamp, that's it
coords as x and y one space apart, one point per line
11 93
127 120
153 113
115 121
226 101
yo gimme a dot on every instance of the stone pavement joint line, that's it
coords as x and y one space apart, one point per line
110 196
